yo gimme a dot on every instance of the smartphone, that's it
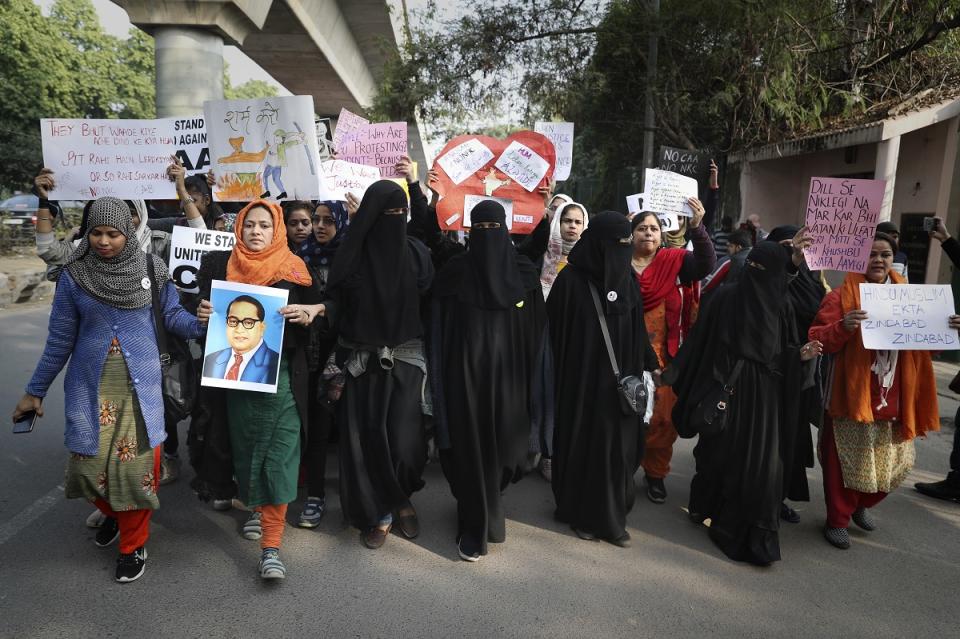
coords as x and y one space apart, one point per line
25 423
929 224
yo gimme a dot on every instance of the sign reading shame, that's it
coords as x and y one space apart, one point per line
907 317
187 248
841 219
122 158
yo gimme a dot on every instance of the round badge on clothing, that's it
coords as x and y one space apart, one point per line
145 283
612 296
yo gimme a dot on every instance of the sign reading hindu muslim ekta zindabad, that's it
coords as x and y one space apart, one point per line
907 317
121 158
510 169
842 218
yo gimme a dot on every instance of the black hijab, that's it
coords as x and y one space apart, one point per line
785 232
491 274
603 255
761 292
375 271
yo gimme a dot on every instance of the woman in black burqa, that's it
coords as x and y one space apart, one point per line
597 445
374 294
739 477
487 320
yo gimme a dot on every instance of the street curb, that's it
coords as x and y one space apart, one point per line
24 286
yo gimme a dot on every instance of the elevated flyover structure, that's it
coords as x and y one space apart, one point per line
333 50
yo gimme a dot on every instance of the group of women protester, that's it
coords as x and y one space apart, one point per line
499 350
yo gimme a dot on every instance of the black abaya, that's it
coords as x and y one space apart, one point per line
597 448
488 317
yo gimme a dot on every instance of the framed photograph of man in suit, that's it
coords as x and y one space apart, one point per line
244 337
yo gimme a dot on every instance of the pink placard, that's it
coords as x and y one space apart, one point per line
380 145
348 127
842 215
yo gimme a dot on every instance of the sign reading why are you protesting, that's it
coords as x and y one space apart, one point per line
907 317
122 158
842 217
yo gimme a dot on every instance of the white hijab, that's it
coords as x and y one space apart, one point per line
554 254
143 233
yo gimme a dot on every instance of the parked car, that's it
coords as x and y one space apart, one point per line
19 209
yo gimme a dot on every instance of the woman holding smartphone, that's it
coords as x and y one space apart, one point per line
102 322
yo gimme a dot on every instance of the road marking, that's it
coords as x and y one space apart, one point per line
27 516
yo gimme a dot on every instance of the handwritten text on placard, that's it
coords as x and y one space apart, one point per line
907 317
842 218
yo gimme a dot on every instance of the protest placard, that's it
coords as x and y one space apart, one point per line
907 317
695 164
324 138
561 134
246 321
841 219
669 222
338 177
634 203
523 164
348 125
471 201
381 145
464 160
263 147
122 158
187 247
462 156
667 192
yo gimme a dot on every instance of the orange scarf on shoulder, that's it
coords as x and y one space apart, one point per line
850 395
273 264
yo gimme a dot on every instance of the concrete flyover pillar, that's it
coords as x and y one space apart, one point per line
189 69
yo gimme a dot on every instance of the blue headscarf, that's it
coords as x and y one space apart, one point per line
316 254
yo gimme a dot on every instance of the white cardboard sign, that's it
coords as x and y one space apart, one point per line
667 192
470 201
465 159
907 317
121 158
338 177
187 248
561 134
523 165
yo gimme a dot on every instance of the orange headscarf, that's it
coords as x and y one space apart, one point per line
850 397
271 265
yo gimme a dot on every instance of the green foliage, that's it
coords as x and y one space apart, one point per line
730 73
248 90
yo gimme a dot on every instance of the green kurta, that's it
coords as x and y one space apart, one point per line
265 439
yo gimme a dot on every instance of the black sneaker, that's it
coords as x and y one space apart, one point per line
108 532
132 565
468 549
788 514
656 491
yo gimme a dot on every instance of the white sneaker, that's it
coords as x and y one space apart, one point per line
270 565
252 529
96 519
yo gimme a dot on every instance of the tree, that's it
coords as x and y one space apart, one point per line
731 73
248 90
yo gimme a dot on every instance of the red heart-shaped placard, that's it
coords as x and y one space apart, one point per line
488 180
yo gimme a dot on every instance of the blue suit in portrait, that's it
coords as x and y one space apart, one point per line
261 369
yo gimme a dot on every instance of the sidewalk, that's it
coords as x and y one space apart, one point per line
23 278
949 401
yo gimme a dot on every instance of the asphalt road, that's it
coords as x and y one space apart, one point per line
201 578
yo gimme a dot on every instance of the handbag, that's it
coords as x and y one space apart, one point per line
177 369
633 389
709 416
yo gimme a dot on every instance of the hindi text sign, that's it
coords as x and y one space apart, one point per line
841 219
907 317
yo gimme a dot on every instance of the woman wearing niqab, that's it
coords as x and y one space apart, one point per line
597 445
488 317
739 476
374 292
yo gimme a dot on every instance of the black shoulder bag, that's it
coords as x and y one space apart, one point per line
633 392
709 416
177 369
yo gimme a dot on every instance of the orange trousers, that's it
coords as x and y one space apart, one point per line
134 524
273 517
660 436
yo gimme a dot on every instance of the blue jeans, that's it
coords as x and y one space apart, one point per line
274 172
